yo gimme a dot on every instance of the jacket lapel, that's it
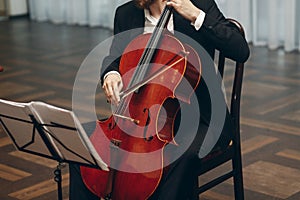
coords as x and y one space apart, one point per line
137 23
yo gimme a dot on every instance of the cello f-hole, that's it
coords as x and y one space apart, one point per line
148 139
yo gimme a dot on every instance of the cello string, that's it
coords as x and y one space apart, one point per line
150 47
144 82
153 76
145 60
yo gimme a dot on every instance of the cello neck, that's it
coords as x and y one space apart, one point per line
164 18
152 44
148 53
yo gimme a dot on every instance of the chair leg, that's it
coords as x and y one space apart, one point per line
196 185
238 175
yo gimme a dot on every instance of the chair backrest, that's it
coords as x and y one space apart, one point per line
237 85
233 152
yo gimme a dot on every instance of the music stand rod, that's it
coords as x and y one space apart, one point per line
57 171
58 179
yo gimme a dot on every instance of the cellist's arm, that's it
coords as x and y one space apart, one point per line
218 31
119 42
111 80
223 34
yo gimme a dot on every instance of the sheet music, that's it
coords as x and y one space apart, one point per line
72 140
62 127
23 134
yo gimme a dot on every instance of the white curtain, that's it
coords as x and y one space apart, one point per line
81 12
273 23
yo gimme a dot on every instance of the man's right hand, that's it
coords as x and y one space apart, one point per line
112 86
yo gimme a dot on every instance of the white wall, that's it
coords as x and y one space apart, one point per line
16 7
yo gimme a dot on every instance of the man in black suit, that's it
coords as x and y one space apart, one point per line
202 21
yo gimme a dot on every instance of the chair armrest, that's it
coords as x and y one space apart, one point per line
221 61
238 25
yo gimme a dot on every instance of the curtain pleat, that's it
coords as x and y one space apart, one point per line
272 23
81 12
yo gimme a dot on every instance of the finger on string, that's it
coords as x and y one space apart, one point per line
172 4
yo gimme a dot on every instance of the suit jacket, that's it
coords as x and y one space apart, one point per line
215 33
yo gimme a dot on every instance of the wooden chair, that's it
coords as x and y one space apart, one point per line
233 151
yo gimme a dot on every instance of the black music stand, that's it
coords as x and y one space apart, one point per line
51 132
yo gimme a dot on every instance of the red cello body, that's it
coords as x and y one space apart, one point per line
132 140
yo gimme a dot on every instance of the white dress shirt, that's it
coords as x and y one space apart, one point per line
150 22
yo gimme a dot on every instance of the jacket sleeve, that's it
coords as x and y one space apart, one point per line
128 23
221 33
111 62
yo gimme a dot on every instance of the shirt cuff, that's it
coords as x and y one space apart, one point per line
111 72
199 21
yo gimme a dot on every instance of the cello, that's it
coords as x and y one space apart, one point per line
132 140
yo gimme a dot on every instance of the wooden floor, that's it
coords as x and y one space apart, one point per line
41 61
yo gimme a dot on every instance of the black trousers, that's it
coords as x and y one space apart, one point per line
177 183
